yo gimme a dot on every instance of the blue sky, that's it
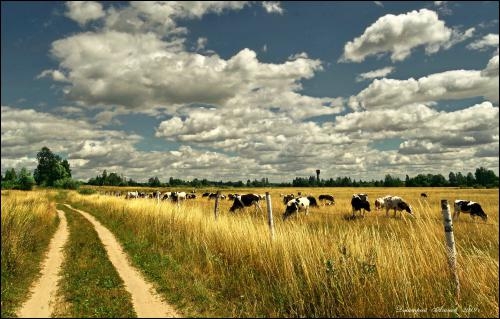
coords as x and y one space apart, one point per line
244 90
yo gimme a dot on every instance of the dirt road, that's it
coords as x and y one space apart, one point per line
43 292
147 303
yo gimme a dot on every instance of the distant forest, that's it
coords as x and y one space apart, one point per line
54 171
480 179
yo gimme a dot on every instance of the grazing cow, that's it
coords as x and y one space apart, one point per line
242 201
206 194
191 196
166 195
288 198
232 196
423 195
212 196
178 196
468 207
396 203
330 200
359 202
298 204
313 201
379 203
132 195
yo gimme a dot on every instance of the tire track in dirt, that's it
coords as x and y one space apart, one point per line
43 292
147 303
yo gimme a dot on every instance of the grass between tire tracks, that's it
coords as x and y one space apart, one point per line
91 286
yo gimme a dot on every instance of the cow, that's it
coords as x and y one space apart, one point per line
330 200
288 198
299 204
423 195
191 196
166 195
468 207
242 201
379 203
359 202
396 203
232 196
132 195
178 196
212 196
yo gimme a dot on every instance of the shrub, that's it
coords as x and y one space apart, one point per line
87 191
67 183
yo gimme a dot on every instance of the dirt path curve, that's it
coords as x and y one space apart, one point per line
147 303
43 298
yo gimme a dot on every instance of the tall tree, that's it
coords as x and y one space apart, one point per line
10 175
25 181
50 168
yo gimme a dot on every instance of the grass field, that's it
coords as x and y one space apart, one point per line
323 264
29 220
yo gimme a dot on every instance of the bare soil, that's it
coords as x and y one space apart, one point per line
43 292
147 302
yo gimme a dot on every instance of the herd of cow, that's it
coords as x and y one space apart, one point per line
293 204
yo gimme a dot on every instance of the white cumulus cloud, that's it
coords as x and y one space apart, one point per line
84 11
398 35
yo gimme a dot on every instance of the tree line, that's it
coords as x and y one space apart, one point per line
51 171
54 171
481 178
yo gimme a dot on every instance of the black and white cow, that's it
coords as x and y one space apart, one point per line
299 204
359 202
178 196
396 203
242 201
379 203
468 207
166 195
132 195
288 198
330 200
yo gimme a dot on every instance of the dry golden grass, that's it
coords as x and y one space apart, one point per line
323 264
28 221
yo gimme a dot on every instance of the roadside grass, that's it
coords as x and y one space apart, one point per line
29 221
90 286
320 265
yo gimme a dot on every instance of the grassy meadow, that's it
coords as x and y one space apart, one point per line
320 265
29 220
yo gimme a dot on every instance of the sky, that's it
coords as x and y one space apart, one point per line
248 90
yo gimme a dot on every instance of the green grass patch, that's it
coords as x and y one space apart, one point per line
91 285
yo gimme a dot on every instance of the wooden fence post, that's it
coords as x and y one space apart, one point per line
216 210
450 244
270 214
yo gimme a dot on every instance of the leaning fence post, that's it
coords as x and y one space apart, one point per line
216 210
270 214
451 250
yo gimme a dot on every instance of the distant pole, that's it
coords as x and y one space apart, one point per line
317 175
216 210
450 243
270 214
